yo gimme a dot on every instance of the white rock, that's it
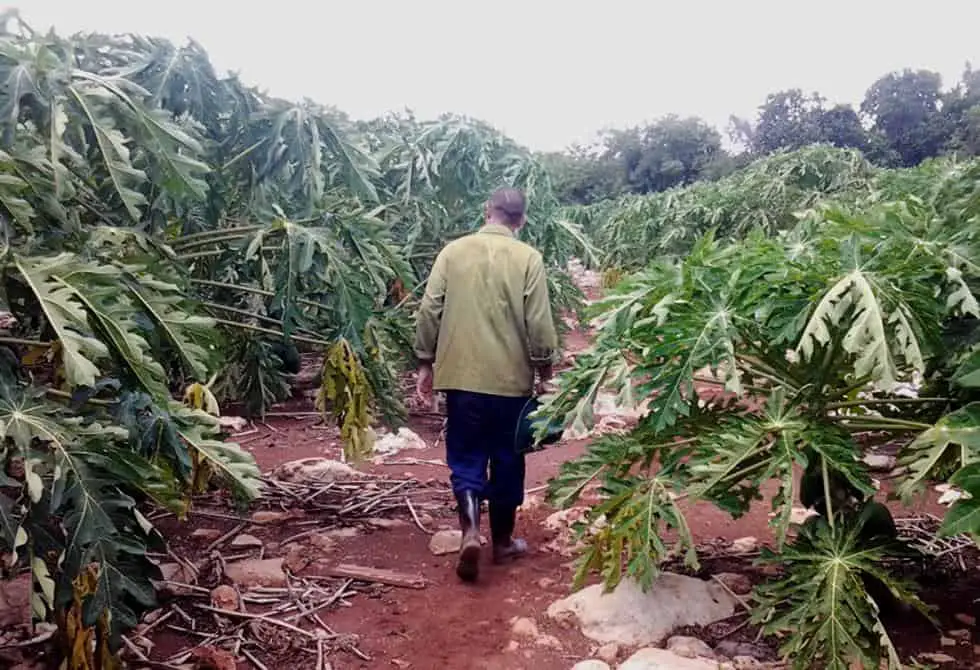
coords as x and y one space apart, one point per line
235 424
254 572
744 545
445 542
314 470
524 627
591 664
689 647
799 515
879 462
386 524
246 540
448 542
628 616
392 443
608 652
661 659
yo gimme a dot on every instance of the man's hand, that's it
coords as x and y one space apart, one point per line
544 385
423 384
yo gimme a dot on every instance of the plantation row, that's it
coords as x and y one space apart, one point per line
171 233
837 302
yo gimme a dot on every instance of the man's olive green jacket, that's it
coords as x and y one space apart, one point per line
485 319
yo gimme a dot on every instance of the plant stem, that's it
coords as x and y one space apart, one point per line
25 343
195 238
215 252
255 290
233 287
260 317
826 491
881 423
269 331
883 401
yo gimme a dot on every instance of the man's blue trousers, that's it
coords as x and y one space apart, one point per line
480 436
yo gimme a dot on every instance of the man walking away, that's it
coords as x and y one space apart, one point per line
484 329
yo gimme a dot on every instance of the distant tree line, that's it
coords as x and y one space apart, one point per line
905 118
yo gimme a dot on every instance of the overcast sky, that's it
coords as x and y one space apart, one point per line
542 71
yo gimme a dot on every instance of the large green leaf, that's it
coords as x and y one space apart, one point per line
954 442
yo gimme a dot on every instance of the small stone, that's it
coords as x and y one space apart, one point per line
966 620
212 658
733 649
591 664
206 533
322 542
524 627
739 584
225 597
608 652
235 424
879 462
270 516
689 647
744 545
255 572
963 635
937 658
548 641
947 642
246 540
342 533
386 524
512 646
298 558
445 542
546 583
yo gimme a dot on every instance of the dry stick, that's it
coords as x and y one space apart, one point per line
319 491
43 637
418 521
256 662
367 504
136 650
227 536
258 617
156 623
337 595
734 595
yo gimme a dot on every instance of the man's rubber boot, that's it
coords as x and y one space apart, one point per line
468 567
505 546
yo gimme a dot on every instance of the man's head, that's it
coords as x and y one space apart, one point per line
508 207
